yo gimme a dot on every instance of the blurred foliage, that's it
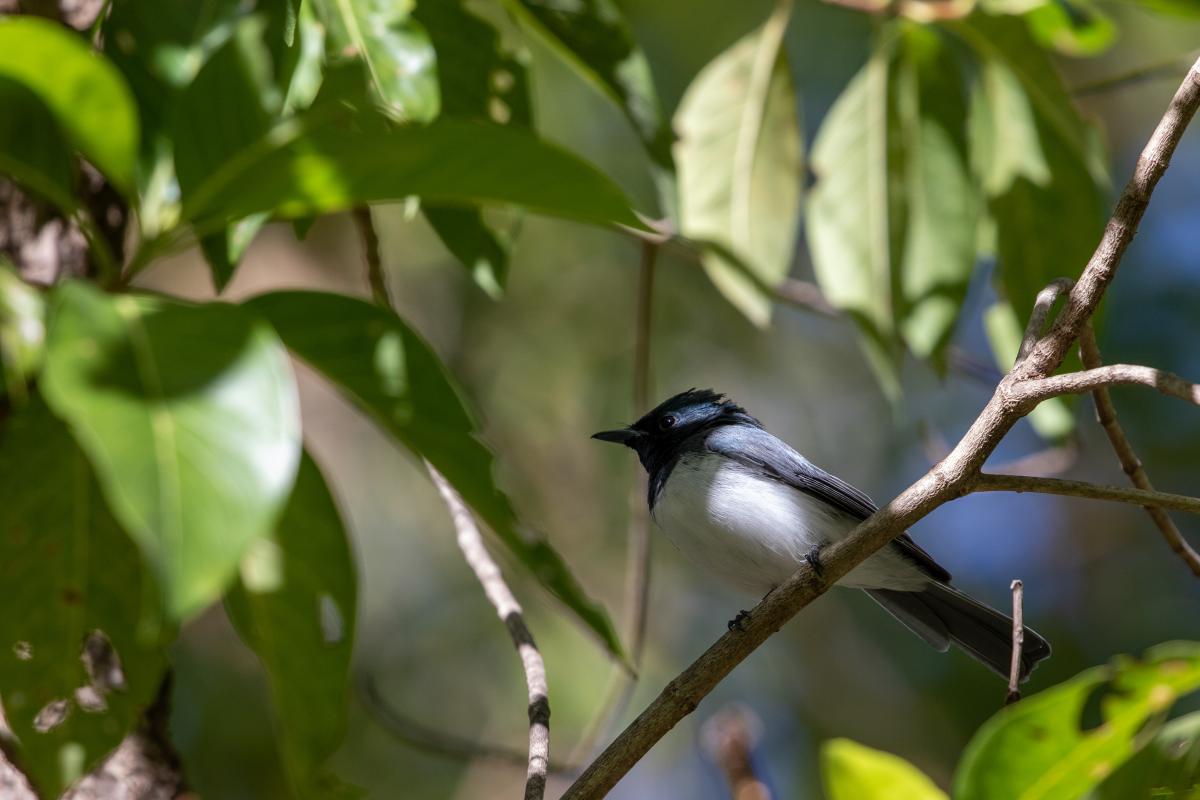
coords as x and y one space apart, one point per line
153 457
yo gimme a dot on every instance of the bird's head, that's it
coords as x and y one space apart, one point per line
658 434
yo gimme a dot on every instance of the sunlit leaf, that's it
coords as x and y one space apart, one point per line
395 50
1168 767
86 94
22 332
295 607
384 367
741 165
323 162
1073 27
473 242
68 571
1036 749
593 38
851 771
190 417
892 218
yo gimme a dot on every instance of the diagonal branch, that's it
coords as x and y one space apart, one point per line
947 480
470 542
1148 498
1106 415
1041 310
1098 378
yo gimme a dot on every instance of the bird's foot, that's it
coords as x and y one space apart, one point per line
736 622
813 557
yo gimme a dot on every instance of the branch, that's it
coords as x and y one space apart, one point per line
372 257
1147 498
945 481
1041 310
1106 415
1018 642
1093 378
471 543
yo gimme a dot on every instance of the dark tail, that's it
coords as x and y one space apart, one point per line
940 614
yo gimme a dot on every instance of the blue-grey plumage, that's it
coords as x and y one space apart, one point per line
745 506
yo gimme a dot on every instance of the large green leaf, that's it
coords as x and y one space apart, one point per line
325 161
22 332
395 50
230 104
295 607
741 165
33 150
593 37
851 771
480 80
392 374
892 217
80 634
1168 767
190 417
85 92
1036 749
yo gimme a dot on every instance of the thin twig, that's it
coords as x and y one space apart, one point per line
470 542
945 481
807 296
1147 498
1106 415
730 737
1018 642
1093 378
372 256
1162 70
1041 310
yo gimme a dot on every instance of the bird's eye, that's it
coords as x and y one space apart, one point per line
667 422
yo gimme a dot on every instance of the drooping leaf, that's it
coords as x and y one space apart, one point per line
1167 767
1052 419
384 367
741 165
851 771
295 607
892 218
323 161
395 50
230 104
481 80
22 333
473 242
33 150
189 416
592 37
1036 749
79 655
84 91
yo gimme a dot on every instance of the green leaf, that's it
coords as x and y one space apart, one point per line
384 367
230 104
1035 749
473 242
190 417
22 332
295 607
1167 767
1179 8
327 162
481 80
592 37
741 165
892 218
851 771
1051 419
1077 28
308 69
77 591
397 55
33 149
85 92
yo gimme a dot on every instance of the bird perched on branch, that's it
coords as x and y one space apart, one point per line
748 508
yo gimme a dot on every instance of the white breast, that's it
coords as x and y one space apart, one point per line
753 532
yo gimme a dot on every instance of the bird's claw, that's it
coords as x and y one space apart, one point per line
736 622
813 557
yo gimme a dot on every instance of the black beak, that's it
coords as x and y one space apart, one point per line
625 436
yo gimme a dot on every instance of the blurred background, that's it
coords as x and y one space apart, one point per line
551 363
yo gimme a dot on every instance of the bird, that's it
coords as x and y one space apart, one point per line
746 507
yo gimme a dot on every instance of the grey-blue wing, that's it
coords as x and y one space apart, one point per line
759 450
